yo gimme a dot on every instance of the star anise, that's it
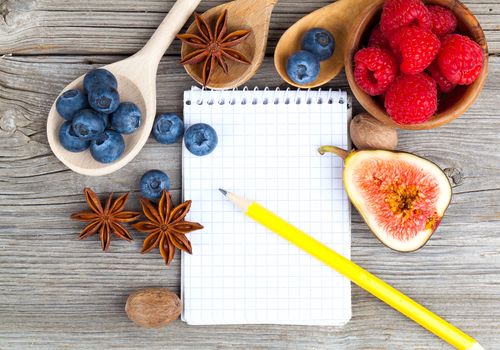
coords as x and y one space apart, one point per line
213 46
105 220
166 227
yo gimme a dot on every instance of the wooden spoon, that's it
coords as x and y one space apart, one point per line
242 14
338 18
136 77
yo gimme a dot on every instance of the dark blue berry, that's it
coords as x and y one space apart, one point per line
108 147
104 98
69 140
127 118
70 102
303 67
101 77
168 128
153 183
319 42
200 139
106 119
88 124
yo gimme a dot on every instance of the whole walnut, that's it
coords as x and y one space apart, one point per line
153 307
369 133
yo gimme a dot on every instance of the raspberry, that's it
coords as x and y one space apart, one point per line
460 59
401 13
418 47
444 84
393 40
374 70
411 99
378 39
443 20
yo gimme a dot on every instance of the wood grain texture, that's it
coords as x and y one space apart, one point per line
123 26
60 293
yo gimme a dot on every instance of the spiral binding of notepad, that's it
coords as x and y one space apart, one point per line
262 96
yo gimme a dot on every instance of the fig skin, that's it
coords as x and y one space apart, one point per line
369 133
153 307
348 155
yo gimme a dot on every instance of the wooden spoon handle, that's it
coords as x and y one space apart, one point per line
163 36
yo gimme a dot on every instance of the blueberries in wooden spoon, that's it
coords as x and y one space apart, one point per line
127 118
70 102
70 141
108 147
319 42
97 118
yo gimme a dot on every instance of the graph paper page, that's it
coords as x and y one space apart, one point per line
239 271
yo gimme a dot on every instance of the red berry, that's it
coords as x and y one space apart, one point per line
378 39
402 13
393 39
443 20
374 70
460 59
417 47
444 84
411 99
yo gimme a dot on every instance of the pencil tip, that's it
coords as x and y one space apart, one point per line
224 192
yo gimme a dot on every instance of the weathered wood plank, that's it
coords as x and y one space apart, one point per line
58 293
86 27
29 86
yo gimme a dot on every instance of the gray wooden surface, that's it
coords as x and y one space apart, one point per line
60 293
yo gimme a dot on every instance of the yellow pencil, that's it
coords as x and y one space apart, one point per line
356 274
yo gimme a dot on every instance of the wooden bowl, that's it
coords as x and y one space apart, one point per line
451 105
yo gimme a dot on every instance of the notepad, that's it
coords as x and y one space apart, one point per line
239 272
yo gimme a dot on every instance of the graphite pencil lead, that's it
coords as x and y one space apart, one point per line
224 192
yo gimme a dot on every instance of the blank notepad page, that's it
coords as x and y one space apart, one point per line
240 272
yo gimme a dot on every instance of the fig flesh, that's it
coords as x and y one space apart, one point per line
401 197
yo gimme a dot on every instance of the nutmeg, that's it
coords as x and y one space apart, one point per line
153 307
369 133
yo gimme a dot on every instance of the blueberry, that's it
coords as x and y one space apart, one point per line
108 147
69 140
106 119
88 124
168 128
319 42
302 67
101 77
104 98
200 139
127 118
70 102
153 183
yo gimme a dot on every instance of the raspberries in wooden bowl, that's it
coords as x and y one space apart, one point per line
416 65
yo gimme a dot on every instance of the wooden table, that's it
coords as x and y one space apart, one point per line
60 293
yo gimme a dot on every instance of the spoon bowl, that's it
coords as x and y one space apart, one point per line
338 18
83 162
242 14
136 78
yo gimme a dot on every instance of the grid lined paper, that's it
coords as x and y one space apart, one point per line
240 272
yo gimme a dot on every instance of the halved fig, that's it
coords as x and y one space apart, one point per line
402 197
